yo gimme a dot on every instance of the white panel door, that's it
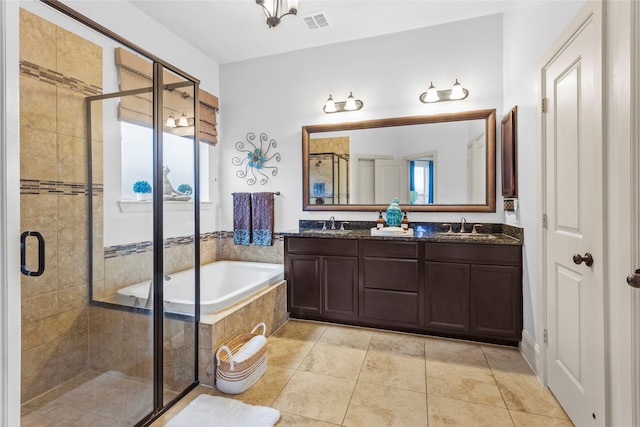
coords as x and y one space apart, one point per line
574 204
391 181
365 190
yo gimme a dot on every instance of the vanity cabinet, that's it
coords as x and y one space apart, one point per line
474 290
322 278
462 290
390 283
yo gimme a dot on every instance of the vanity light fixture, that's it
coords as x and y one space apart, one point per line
171 121
273 8
351 104
456 93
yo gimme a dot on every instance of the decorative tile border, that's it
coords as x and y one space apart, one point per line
229 235
36 186
58 79
141 247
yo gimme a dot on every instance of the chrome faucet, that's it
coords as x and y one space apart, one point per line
463 221
332 221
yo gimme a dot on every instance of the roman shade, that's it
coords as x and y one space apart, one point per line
136 72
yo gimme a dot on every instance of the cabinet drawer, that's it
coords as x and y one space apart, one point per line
474 254
393 274
389 249
391 306
308 245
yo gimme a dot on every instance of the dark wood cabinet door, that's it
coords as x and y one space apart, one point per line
447 296
340 287
496 301
304 284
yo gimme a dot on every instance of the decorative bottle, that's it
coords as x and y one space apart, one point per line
394 214
380 222
405 222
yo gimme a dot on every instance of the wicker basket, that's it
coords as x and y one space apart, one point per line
234 376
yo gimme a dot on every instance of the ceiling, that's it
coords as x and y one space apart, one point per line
235 30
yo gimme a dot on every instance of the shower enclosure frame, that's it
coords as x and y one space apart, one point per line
158 237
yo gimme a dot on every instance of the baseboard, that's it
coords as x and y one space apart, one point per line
531 352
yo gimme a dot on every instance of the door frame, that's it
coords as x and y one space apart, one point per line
10 340
634 89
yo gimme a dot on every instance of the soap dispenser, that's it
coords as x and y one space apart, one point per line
405 222
380 221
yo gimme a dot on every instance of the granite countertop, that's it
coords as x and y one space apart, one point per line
496 234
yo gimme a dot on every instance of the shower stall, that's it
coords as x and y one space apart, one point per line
110 196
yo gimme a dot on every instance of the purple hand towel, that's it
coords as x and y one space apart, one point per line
241 218
262 218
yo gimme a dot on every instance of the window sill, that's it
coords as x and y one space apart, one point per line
138 206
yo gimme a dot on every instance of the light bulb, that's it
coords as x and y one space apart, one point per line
171 121
350 105
456 91
330 106
432 94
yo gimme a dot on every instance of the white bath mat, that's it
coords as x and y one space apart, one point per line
207 410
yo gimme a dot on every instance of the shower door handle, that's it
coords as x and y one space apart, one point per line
23 253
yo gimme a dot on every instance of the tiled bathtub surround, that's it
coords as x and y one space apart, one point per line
129 264
58 69
268 306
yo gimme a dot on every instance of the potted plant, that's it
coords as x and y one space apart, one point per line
141 188
185 189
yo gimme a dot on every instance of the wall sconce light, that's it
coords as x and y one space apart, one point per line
456 93
171 121
183 120
351 104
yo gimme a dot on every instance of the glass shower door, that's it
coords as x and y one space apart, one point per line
180 235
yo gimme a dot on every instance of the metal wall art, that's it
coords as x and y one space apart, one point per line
256 159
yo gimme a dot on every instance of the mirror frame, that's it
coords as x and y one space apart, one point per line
490 131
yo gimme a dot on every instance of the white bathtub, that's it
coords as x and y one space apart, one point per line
222 284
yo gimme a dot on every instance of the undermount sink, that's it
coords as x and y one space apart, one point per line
470 236
328 231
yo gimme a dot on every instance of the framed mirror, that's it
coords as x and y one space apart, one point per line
438 163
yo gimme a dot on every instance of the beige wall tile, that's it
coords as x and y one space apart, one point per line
72 159
70 106
36 99
78 57
73 264
40 371
38 154
39 307
37 40
37 205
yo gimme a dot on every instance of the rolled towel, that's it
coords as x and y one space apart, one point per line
249 348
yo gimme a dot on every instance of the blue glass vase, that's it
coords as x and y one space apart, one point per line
394 214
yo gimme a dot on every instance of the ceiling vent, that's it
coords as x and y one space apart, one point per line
315 20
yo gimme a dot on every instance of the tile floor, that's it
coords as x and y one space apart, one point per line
322 375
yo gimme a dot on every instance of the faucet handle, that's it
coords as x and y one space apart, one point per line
324 224
342 224
450 230
475 228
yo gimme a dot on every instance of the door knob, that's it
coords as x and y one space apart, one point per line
587 259
634 279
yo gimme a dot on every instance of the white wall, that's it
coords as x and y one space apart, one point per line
529 29
279 94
